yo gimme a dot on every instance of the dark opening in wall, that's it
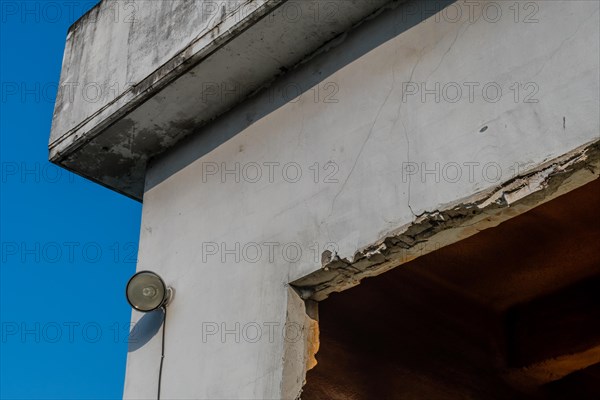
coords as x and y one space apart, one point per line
512 312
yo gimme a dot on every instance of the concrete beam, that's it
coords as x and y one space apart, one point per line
554 369
138 77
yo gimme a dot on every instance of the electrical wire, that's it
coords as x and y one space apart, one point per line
162 352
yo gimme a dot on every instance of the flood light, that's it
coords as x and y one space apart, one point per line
146 291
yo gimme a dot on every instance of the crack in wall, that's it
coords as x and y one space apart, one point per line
453 222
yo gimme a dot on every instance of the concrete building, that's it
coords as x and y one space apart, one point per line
285 150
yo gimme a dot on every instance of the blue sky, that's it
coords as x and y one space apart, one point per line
68 245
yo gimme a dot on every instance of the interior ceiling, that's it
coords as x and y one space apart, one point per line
512 312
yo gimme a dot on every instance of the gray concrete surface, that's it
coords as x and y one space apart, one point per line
210 232
139 76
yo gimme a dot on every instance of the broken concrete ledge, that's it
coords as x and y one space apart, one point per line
454 222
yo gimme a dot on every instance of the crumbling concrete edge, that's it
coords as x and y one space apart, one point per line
301 343
454 222
217 35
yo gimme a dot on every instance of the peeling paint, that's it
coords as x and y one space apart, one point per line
299 355
453 223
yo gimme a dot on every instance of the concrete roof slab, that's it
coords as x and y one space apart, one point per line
139 77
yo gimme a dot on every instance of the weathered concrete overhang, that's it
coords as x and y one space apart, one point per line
138 77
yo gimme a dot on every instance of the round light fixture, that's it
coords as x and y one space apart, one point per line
146 291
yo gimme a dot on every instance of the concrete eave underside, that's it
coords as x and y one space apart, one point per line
113 146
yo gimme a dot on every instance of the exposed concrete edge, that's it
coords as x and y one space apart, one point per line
137 94
454 222
301 343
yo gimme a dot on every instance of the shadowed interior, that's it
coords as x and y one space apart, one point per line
512 312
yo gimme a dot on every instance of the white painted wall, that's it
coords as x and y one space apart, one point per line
369 135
